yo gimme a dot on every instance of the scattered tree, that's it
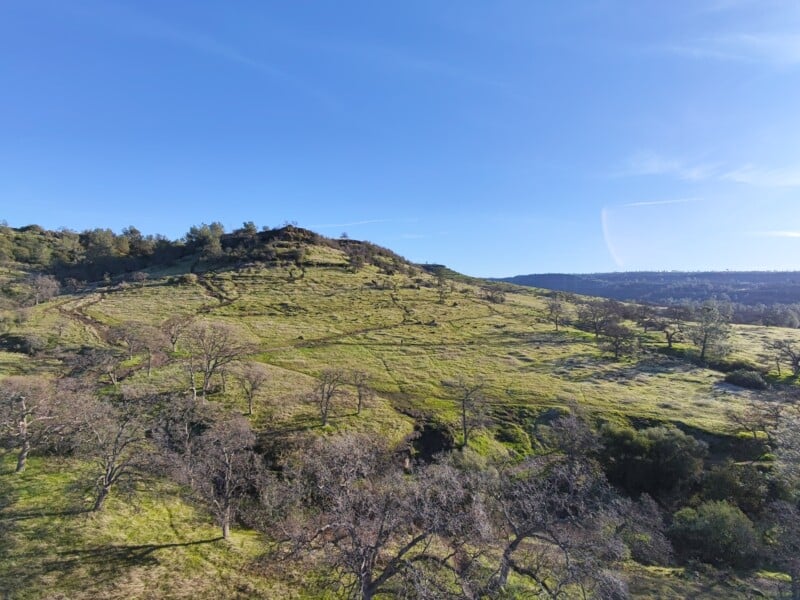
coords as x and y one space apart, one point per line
711 329
44 287
175 327
113 435
29 415
360 379
223 469
252 377
596 315
376 526
469 395
618 339
328 388
211 347
556 309
789 351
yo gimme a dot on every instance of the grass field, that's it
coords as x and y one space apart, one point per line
411 343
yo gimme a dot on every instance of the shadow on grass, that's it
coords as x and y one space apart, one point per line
35 514
98 564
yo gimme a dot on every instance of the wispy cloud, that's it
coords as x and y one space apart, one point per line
758 176
779 49
654 164
764 177
125 20
661 202
777 234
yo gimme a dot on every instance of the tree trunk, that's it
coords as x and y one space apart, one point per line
22 458
505 563
464 429
226 530
101 498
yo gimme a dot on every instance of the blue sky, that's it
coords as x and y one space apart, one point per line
498 137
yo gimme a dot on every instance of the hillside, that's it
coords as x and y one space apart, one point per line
304 306
670 287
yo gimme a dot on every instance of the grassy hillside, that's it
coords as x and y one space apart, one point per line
411 332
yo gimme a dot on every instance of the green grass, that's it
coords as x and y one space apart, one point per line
411 344
153 546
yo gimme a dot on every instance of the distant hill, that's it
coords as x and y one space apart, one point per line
673 287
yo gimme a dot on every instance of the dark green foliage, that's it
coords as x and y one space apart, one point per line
747 379
741 484
717 533
660 461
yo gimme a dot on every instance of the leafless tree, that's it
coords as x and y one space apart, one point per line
29 415
223 468
555 514
758 418
112 433
99 362
252 377
711 328
174 328
127 334
596 315
140 277
329 386
44 287
471 401
380 530
789 351
360 379
618 339
211 347
556 309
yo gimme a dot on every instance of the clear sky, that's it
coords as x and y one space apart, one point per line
497 137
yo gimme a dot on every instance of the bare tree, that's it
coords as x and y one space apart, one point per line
127 334
789 351
618 339
223 469
140 277
596 315
360 379
758 418
211 347
555 514
556 309
470 398
43 287
29 415
174 328
711 328
99 362
252 377
113 434
377 527
329 386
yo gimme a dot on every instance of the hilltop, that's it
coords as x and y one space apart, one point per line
303 306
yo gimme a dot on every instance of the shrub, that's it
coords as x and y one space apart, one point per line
717 533
656 460
747 379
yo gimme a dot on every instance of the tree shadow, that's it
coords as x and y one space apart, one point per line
36 514
101 563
